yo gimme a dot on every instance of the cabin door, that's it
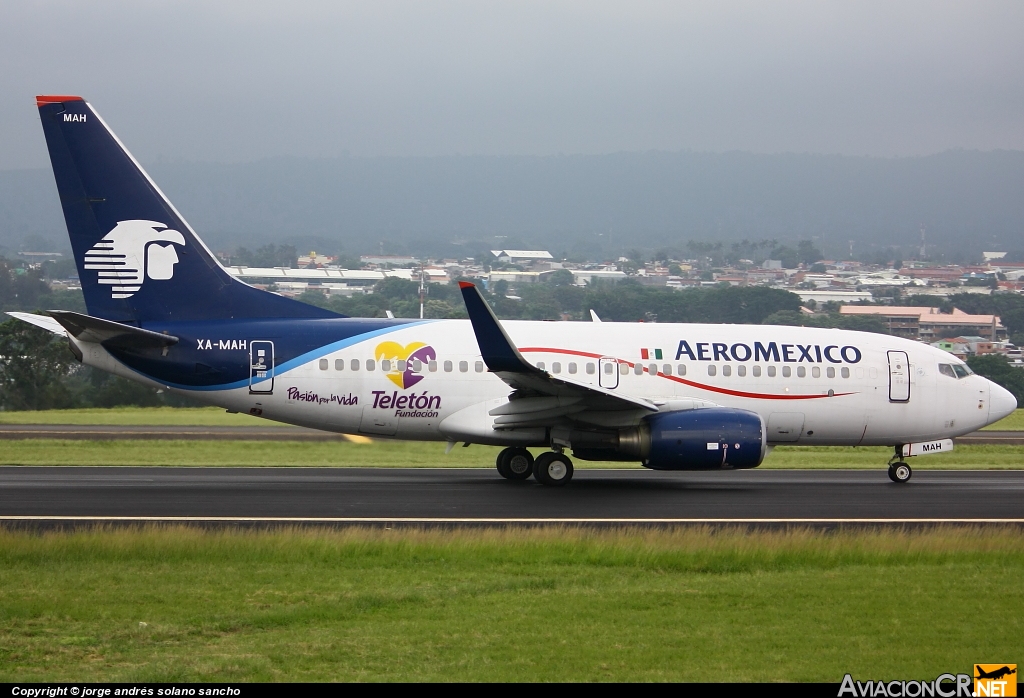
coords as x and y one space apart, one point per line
899 377
261 367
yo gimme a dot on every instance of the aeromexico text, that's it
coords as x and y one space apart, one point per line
772 351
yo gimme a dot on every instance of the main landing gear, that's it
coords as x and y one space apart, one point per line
899 471
550 468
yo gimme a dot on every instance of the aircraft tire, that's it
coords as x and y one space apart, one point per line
501 463
900 472
552 469
518 463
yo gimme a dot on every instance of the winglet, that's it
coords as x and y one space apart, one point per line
497 350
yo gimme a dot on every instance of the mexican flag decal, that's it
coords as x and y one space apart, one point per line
650 354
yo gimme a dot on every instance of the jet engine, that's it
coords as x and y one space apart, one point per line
701 439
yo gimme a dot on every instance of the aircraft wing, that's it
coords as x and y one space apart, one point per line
538 392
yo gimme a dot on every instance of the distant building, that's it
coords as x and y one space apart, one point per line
522 256
389 259
929 324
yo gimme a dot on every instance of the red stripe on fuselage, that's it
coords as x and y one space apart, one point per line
701 386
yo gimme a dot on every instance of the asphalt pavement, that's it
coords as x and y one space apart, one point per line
476 495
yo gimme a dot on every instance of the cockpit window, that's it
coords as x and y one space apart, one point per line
961 370
955 370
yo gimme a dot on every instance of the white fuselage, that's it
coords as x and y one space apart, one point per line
811 386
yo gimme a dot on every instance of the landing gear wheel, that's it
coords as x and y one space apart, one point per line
514 463
900 472
552 469
519 463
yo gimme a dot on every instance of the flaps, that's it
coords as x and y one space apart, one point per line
110 334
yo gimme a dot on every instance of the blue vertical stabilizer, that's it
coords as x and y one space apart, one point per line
138 260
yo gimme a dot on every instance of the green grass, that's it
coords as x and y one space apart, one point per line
139 416
1014 422
381 453
524 605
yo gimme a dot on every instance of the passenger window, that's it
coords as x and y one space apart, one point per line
323 364
447 366
801 372
682 369
757 371
385 365
815 372
572 367
339 364
667 369
960 370
556 367
417 365
787 372
727 370
845 372
608 368
741 371
540 365
623 369
370 365
355 364
771 371
712 369
638 369
479 366
830 372
463 366
653 369
590 369
401 366
432 366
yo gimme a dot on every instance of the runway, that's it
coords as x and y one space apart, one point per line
368 495
92 432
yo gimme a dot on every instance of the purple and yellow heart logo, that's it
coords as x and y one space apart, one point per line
395 352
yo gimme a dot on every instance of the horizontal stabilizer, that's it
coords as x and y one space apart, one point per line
111 334
47 323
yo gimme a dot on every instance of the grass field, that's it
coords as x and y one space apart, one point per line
549 604
214 416
404 454
139 416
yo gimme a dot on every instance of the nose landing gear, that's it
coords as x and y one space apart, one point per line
899 471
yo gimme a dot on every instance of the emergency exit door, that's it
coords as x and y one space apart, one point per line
261 367
608 372
899 377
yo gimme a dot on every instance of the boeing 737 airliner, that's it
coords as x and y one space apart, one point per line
163 311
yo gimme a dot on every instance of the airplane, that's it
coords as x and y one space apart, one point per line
164 312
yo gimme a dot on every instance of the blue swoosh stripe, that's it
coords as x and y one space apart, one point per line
297 361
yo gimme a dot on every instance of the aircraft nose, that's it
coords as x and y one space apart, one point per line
1001 402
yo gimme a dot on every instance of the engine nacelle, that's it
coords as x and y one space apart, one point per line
707 439
702 439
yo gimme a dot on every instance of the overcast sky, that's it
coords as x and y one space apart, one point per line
244 80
